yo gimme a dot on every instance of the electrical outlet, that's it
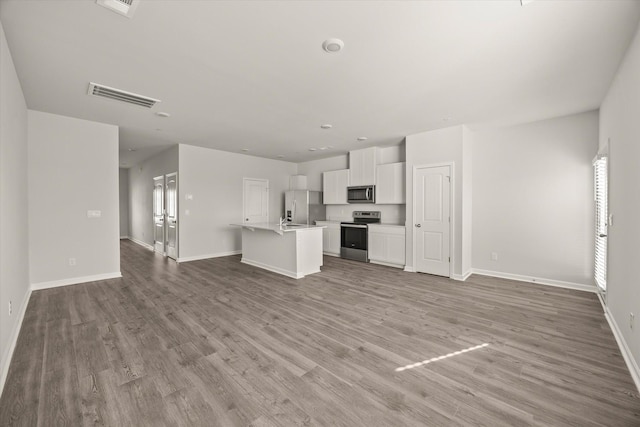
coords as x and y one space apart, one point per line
72 262
10 307
632 319
494 256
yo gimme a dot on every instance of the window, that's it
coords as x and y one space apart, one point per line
602 222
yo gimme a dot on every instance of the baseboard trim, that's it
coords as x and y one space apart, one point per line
462 277
622 344
409 269
74 281
282 271
207 256
387 264
141 243
538 280
331 254
124 238
13 341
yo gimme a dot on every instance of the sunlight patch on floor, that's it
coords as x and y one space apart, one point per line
435 359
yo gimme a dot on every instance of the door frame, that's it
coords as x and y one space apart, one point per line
164 214
244 180
166 229
452 204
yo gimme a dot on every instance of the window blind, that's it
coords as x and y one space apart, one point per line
601 226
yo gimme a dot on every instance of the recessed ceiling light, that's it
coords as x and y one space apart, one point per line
332 45
362 138
326 126
132 149
245 149
313 149
323 148
162 114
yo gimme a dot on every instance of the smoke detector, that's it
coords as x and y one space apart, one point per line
96 89
121 7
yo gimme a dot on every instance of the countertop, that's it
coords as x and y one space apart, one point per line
276 228
383 223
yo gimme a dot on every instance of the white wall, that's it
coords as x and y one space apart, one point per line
467 201
619 123
214 179
73 168
14 252
438 147
123 180
141 192
533 199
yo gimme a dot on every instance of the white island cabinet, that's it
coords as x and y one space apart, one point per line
293 251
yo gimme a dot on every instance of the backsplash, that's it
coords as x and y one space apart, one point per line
391 214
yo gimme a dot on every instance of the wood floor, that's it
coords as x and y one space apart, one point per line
219 343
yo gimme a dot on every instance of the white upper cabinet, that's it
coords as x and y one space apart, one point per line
334 187
362 166
391 184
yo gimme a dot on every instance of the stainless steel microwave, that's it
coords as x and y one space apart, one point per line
362 194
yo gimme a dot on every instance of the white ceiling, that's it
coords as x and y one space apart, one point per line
237 74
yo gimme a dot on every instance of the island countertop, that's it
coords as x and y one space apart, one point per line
277 228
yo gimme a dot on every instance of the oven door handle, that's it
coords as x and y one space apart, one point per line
353 226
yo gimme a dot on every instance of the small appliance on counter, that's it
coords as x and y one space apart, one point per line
362 194
303 207
353 235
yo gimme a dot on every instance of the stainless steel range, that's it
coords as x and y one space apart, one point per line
353 235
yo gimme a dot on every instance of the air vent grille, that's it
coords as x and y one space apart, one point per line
121 7
96 89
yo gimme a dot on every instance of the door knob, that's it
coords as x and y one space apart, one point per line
418 225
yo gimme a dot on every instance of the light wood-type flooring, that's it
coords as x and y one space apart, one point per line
219 343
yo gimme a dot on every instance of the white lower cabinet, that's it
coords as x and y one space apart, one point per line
387 245
330 237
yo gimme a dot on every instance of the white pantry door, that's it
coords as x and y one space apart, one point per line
158 214
432 223
171 197
255 200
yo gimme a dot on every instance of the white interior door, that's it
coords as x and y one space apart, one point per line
255 200
171 202
432 222
158 214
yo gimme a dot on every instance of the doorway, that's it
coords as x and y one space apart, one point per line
601 187
165 215
255 196
171 186
432 220
158 215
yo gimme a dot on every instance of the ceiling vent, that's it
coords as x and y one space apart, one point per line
121 7
96 89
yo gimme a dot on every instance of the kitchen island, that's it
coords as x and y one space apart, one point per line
291 250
